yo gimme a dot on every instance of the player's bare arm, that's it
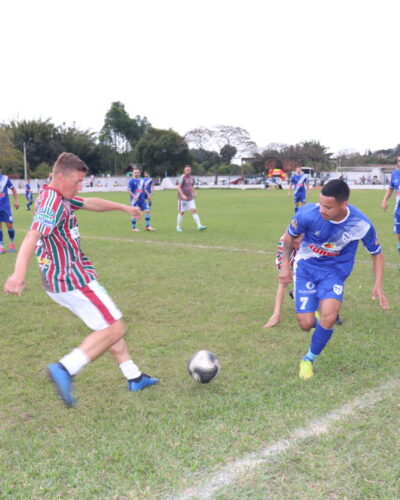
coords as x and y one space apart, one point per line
15 195
100 205
388 194
181 193
16 282
377 291
285 273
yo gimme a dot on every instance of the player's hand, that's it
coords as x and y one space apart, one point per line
16 205
383 301
285 276
14 285
384 206
135 212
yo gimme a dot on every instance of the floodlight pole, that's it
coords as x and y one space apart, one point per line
25 161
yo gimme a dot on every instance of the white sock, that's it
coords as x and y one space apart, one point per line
130 370
75 361
197 219
179 220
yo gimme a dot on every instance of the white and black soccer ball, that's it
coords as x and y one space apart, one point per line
204 366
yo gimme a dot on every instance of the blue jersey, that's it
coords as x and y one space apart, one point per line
329 246
395 184
148 186
299 182
136 187
5 185
28 191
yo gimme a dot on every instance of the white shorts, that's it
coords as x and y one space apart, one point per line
91 304
184 205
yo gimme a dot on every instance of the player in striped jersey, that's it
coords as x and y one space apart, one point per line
69 276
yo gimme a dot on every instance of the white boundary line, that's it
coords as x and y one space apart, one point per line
197 246
227 475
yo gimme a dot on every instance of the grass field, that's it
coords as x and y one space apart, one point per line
201 290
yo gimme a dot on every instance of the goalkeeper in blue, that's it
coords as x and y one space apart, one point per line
331 231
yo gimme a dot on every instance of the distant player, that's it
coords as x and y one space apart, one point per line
299 184
28 195
148 188
5 211
331 231
186 196
69 276
394 186
136 189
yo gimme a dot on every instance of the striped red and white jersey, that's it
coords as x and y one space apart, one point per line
279 258
63 266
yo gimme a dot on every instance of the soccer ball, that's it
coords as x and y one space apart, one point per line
204 366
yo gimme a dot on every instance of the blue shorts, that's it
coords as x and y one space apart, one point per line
141 204
300 198
397 221
310 288
6 216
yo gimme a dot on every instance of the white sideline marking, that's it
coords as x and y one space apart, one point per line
203 247
317 427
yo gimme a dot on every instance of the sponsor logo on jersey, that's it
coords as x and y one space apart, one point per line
45 216
325 250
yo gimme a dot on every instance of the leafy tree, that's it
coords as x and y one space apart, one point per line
159 151
227 153
42 140
83 144
11 159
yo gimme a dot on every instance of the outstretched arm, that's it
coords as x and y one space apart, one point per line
377 291
16 282
100 205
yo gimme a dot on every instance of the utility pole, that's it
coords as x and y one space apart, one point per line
25 161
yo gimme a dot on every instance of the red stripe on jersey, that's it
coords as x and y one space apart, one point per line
95 300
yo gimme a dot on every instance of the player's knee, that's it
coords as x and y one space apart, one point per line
117 330
305 323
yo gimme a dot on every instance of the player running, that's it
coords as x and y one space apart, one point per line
394 186
136 188
299 183
5 211
70 278
331 231
186 196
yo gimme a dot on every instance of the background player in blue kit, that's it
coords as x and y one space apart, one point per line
5 211
28 195
331 231
299 183
148 188
136 188
394 186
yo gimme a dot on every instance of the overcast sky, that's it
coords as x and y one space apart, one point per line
284 70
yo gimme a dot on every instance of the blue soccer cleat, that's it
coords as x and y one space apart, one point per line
201 228
63 382
179 229
141 383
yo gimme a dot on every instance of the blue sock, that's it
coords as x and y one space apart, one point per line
147 219
11 234
1 237
133 222
398 246
295 209
319 339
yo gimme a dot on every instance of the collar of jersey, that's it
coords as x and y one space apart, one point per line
344 218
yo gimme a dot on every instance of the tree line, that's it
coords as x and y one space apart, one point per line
124 141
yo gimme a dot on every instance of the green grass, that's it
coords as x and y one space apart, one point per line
180 293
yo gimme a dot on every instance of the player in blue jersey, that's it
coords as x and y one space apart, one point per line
394 186
299 183
331 231
28 195
5 211
136 189
148 188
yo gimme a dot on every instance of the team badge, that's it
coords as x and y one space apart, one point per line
338 289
